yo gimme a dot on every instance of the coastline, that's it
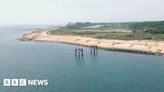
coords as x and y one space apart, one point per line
132 46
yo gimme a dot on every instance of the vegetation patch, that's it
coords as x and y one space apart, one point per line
125 31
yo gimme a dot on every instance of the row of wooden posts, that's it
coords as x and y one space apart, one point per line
79 52
94 49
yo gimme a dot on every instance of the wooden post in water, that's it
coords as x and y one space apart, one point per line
76 52
94 49
79 52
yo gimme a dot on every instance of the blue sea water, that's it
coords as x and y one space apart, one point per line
106 72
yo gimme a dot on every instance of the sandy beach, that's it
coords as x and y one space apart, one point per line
138 46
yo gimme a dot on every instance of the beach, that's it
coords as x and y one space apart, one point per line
136 46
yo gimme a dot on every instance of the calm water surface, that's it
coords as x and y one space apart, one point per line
106 72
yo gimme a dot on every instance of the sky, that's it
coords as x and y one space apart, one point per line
58 12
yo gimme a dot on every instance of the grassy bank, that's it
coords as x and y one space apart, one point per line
124 31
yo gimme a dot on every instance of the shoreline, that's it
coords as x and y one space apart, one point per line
150 47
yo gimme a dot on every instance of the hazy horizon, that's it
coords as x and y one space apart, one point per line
59 12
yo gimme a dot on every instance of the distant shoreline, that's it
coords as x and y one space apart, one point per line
132 46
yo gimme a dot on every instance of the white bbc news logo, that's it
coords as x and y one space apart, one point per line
14 82
24 82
